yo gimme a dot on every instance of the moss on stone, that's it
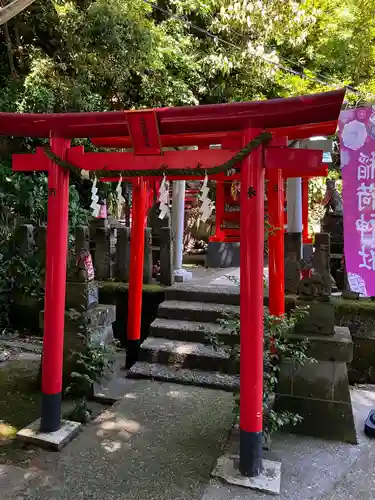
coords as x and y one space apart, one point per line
119 286
347 306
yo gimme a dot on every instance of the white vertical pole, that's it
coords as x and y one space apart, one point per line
178 215
294 205
178 218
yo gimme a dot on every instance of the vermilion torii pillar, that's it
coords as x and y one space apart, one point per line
149 131
137 250
54 303
275 197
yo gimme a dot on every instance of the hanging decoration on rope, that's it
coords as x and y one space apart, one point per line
164 198
207 205
235 190
85 174
95 207
120 199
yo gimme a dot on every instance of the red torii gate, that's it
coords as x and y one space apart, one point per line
292 118
281 163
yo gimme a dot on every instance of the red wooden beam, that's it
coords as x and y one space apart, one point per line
113 161
30 162
232 137
292 112
320 171
293 162
173 140
305 160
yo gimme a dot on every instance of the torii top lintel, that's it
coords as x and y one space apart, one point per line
297 117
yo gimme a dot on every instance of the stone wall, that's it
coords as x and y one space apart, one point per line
359 317
109 244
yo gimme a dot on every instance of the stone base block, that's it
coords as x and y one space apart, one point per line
321 418
319 390
81 295
99 323
223 254
320 319
50 440
338 347
269 481
101 315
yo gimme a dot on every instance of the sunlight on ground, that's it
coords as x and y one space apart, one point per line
7 431
120 425
130 395
181 394
115 431
365 396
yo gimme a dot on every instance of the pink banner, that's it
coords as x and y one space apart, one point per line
357 146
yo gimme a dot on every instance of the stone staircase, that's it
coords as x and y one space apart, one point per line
178 348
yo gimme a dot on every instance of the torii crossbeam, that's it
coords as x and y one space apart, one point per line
148 132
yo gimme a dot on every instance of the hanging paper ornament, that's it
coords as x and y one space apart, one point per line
85 174
120 198
103 213
164 198
235 190
95 207
207 205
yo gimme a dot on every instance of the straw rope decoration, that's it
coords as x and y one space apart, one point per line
226 167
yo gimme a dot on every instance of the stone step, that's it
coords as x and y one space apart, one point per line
189 331
196 311
192 355
212 380
212 294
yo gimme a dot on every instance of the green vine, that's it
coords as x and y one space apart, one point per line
277 345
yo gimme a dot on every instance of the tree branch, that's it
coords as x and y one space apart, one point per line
9 45
12 9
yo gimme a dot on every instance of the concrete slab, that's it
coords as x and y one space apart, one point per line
220 276
52 440
160 442
314 469
13 480
269 481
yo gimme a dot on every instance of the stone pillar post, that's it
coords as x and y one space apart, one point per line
166 256
178 215
103 249
40 240
147 262
23 240
123 254
292 258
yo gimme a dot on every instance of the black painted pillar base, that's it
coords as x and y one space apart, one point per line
132 352
251 453
51 412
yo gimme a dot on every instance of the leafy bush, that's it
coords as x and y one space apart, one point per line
92 363
277 345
